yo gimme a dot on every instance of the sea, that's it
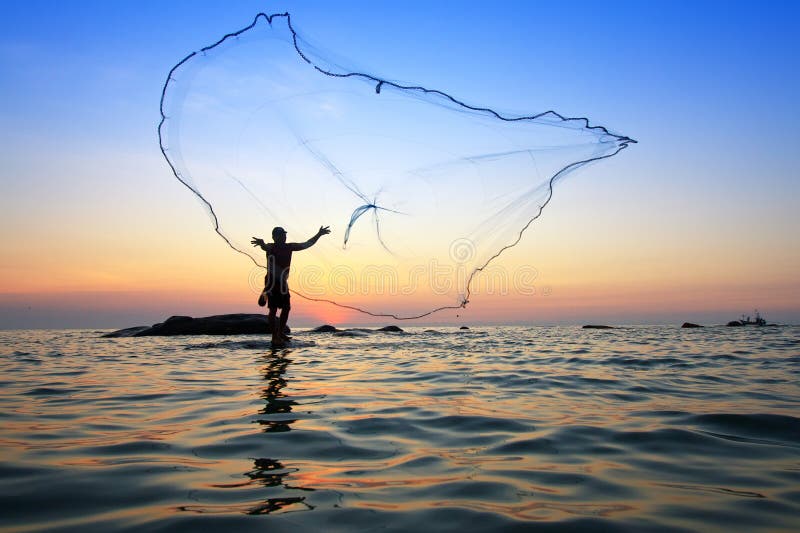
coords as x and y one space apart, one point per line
637 428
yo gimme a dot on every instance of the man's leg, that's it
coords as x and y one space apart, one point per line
273 324
262 298
283 320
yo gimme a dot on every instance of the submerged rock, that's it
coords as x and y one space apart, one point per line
595 326
234 324
127 332
352 333
690 325
326 328
180 318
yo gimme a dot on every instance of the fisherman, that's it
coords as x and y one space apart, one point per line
276 283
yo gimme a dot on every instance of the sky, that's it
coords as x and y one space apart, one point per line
697 222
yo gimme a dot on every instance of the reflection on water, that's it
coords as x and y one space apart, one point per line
645 429
270 472
276 402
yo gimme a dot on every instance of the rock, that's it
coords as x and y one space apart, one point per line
234 324
327 328
177 318
463 327
352 333
127 332
734 323
690 325
595 326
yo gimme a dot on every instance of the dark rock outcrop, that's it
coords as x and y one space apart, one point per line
690 325
595 326
327 328
463 327
127 332
235 324
353 333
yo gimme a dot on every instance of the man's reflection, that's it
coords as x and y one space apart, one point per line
276 402
266 471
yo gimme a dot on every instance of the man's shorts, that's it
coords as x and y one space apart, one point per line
278 297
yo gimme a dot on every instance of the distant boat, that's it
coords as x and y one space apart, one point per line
745 321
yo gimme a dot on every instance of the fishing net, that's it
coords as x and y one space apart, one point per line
422 191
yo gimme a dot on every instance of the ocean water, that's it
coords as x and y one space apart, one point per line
440 429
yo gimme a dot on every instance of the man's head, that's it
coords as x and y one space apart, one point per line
279 235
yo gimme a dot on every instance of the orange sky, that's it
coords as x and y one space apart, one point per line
114 275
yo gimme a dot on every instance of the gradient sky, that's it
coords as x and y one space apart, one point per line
697 222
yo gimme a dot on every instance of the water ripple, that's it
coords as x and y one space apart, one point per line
561 429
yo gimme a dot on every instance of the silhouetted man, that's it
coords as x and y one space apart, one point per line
276 282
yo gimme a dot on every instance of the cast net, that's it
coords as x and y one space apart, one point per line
422 191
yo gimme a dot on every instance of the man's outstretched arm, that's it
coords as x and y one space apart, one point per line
323 230
257 241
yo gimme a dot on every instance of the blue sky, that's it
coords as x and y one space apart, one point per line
708 88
